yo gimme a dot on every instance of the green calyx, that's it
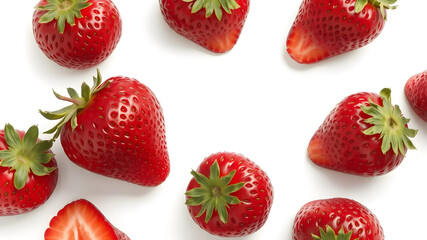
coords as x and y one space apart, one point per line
63 10
331 235
389 123
25 155
212 6
69 113
381 4
213 193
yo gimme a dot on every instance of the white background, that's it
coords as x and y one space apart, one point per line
253 100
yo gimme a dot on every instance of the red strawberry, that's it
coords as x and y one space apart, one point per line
363 135
81 220
193 19
115 129
326 28
336 218
93 31
28 170
416 93
229 196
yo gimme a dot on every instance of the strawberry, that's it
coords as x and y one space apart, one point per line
114 129
336 218
326 28
416 94
93 31
28 170
229 195
81 220
363 135
193 19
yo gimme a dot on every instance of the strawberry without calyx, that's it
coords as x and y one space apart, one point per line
213 24
229 195
326 28
115 129
336 219
416 94
77 34
363 135
81 220
28 170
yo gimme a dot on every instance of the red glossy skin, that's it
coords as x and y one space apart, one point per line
416 94
337 213
88 43
120 134
216 36
256 196
85 219
36 191
340 145
326 28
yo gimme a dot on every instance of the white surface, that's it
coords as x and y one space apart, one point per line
253 100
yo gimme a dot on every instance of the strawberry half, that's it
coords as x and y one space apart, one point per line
81 220
363 135
28 170
326 28
115 129
229 195
194 19
336 219
94 28
416 94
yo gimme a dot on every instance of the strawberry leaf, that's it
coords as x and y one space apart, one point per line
69 113
26 155
388 122
63 11
214 6
20 177
213 193
331 235
381 4
360 5
11 136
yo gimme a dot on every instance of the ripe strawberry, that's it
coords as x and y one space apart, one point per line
93 31
28 170
229 196
193 19
115 129
326 28
416 93
363 135
336 218
82 220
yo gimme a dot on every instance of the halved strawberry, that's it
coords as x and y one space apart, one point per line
81 220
